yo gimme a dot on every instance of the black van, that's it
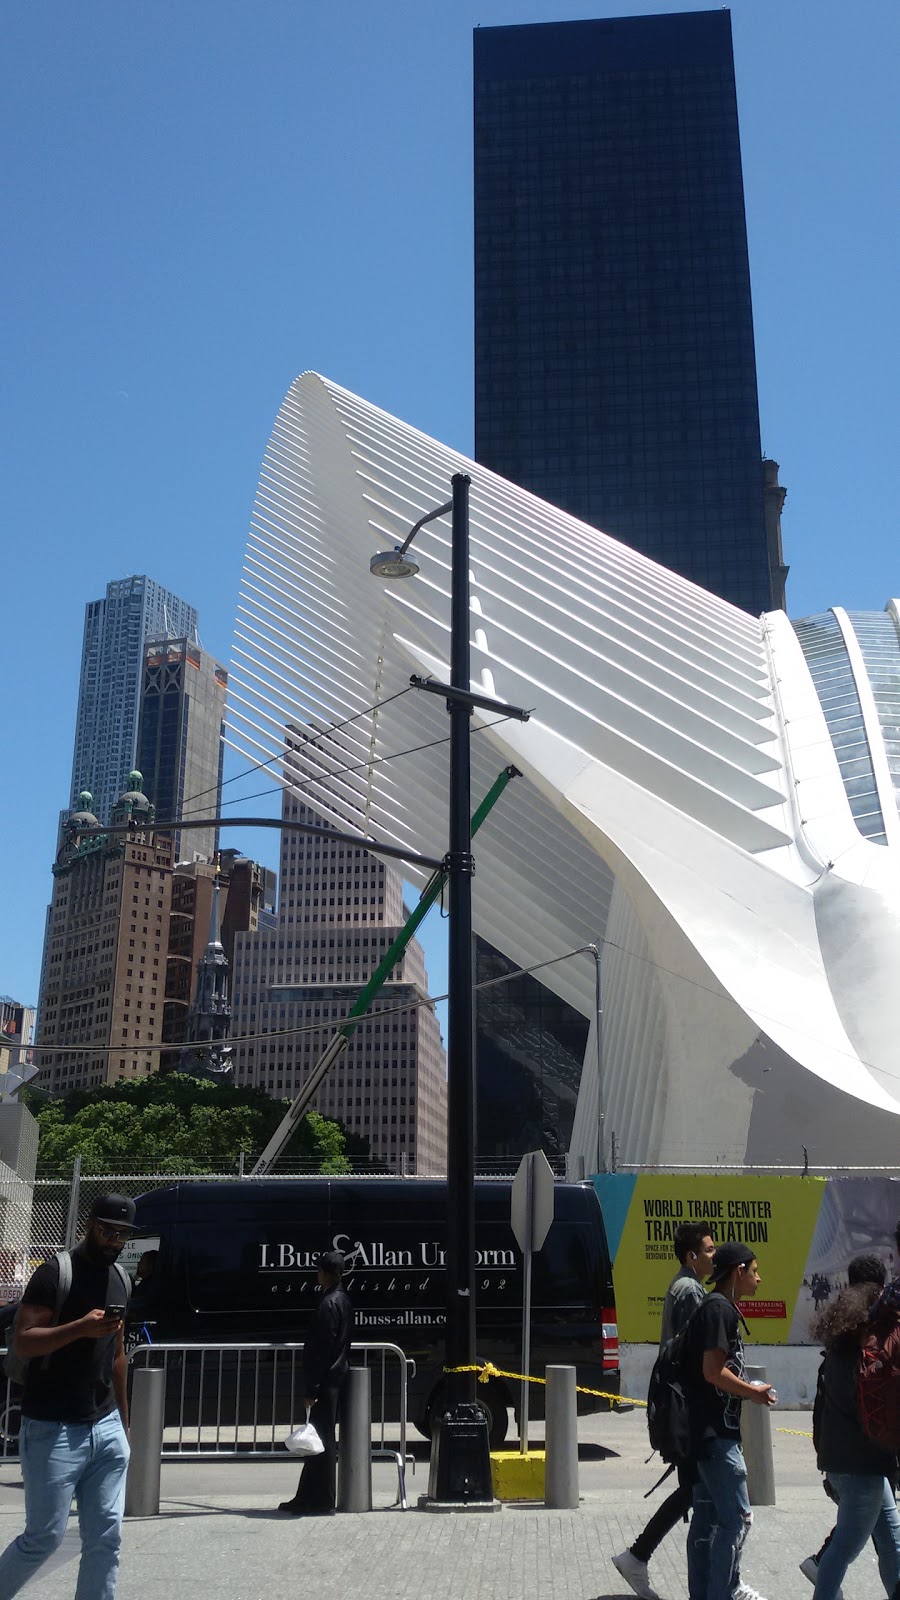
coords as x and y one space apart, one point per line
238 1260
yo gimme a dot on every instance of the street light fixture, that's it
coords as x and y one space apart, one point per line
460 1461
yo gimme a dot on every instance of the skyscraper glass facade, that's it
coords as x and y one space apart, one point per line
116 630
180 740
529 1048
615 372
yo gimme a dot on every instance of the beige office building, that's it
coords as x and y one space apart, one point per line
339 910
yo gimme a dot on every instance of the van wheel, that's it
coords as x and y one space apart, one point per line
494 1402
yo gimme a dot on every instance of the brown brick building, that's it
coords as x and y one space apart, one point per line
104 976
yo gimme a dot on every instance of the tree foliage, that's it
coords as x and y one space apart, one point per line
176 1123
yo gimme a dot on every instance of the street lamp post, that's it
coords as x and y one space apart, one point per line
460 1462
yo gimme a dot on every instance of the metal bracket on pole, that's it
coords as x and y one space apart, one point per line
469 697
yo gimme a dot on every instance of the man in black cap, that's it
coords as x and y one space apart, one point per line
717 1387
74 1435
326 1358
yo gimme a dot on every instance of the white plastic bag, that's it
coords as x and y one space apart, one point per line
304 1440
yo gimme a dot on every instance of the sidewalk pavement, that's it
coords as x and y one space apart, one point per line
219 1535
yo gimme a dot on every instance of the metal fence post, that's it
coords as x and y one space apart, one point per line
148 1407
74 1202
756 1436
561 1440
355 1453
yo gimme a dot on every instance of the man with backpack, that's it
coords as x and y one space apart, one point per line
694 1247
67 1348
715 1389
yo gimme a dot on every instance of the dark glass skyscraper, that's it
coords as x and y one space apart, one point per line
615 372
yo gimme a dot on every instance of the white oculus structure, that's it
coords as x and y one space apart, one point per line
710 796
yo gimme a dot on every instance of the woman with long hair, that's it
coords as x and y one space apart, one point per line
861 1473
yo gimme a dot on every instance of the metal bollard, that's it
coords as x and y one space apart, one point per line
756 1437
355 1453
148 1408
561 1440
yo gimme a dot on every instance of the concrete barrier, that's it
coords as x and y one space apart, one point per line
148 1409
355 1453
756 1436
561 1440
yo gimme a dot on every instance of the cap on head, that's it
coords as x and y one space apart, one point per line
727 1257
116 1209
332 1262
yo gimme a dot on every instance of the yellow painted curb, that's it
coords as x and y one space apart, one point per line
517 1477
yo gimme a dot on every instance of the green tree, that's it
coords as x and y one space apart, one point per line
176 1123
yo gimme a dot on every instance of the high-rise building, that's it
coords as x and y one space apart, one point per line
615 373
116 630
180 747
16 1037
246 893
529 1049
104 972
339 910
209 1018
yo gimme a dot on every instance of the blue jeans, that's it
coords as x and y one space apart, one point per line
866 1508
720 1521
61 1461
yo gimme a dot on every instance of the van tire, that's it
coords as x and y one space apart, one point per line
494 1401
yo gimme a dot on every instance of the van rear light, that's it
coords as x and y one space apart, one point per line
610 1340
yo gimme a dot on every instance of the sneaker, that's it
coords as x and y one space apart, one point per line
635 1574
744 1592
810 1570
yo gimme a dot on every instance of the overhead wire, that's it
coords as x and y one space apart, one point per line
309 740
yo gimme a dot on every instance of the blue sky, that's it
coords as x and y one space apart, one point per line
201 200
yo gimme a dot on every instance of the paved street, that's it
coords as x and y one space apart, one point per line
219 1535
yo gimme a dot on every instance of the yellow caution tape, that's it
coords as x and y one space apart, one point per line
486 1370
798 1433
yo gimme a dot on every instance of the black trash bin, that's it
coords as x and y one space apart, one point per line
461 1457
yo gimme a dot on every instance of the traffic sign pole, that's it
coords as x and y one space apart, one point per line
531 1213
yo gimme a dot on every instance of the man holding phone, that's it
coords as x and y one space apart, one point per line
73 1442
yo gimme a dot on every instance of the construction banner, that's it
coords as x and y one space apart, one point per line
777 1217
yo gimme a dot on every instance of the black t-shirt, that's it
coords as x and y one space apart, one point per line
716 1326
75 1384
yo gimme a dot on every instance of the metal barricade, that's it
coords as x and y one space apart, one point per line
10 1415
238 1401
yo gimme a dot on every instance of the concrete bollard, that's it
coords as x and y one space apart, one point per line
148 1409
355 1453
756 1437
561 1440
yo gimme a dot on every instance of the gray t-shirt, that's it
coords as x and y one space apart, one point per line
683 1294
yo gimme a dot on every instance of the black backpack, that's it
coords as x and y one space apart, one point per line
669 1424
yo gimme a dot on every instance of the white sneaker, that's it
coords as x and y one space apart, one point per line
810 1570
635 1574
744 1592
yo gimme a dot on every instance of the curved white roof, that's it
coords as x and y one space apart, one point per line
682 798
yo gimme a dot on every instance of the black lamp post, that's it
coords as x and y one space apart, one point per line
460 1463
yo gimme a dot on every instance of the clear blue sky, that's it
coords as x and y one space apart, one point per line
202 199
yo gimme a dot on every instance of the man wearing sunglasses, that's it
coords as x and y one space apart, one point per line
73 1443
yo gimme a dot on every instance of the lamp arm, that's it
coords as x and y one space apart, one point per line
430 516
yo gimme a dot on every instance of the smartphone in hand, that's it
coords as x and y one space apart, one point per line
117 1310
